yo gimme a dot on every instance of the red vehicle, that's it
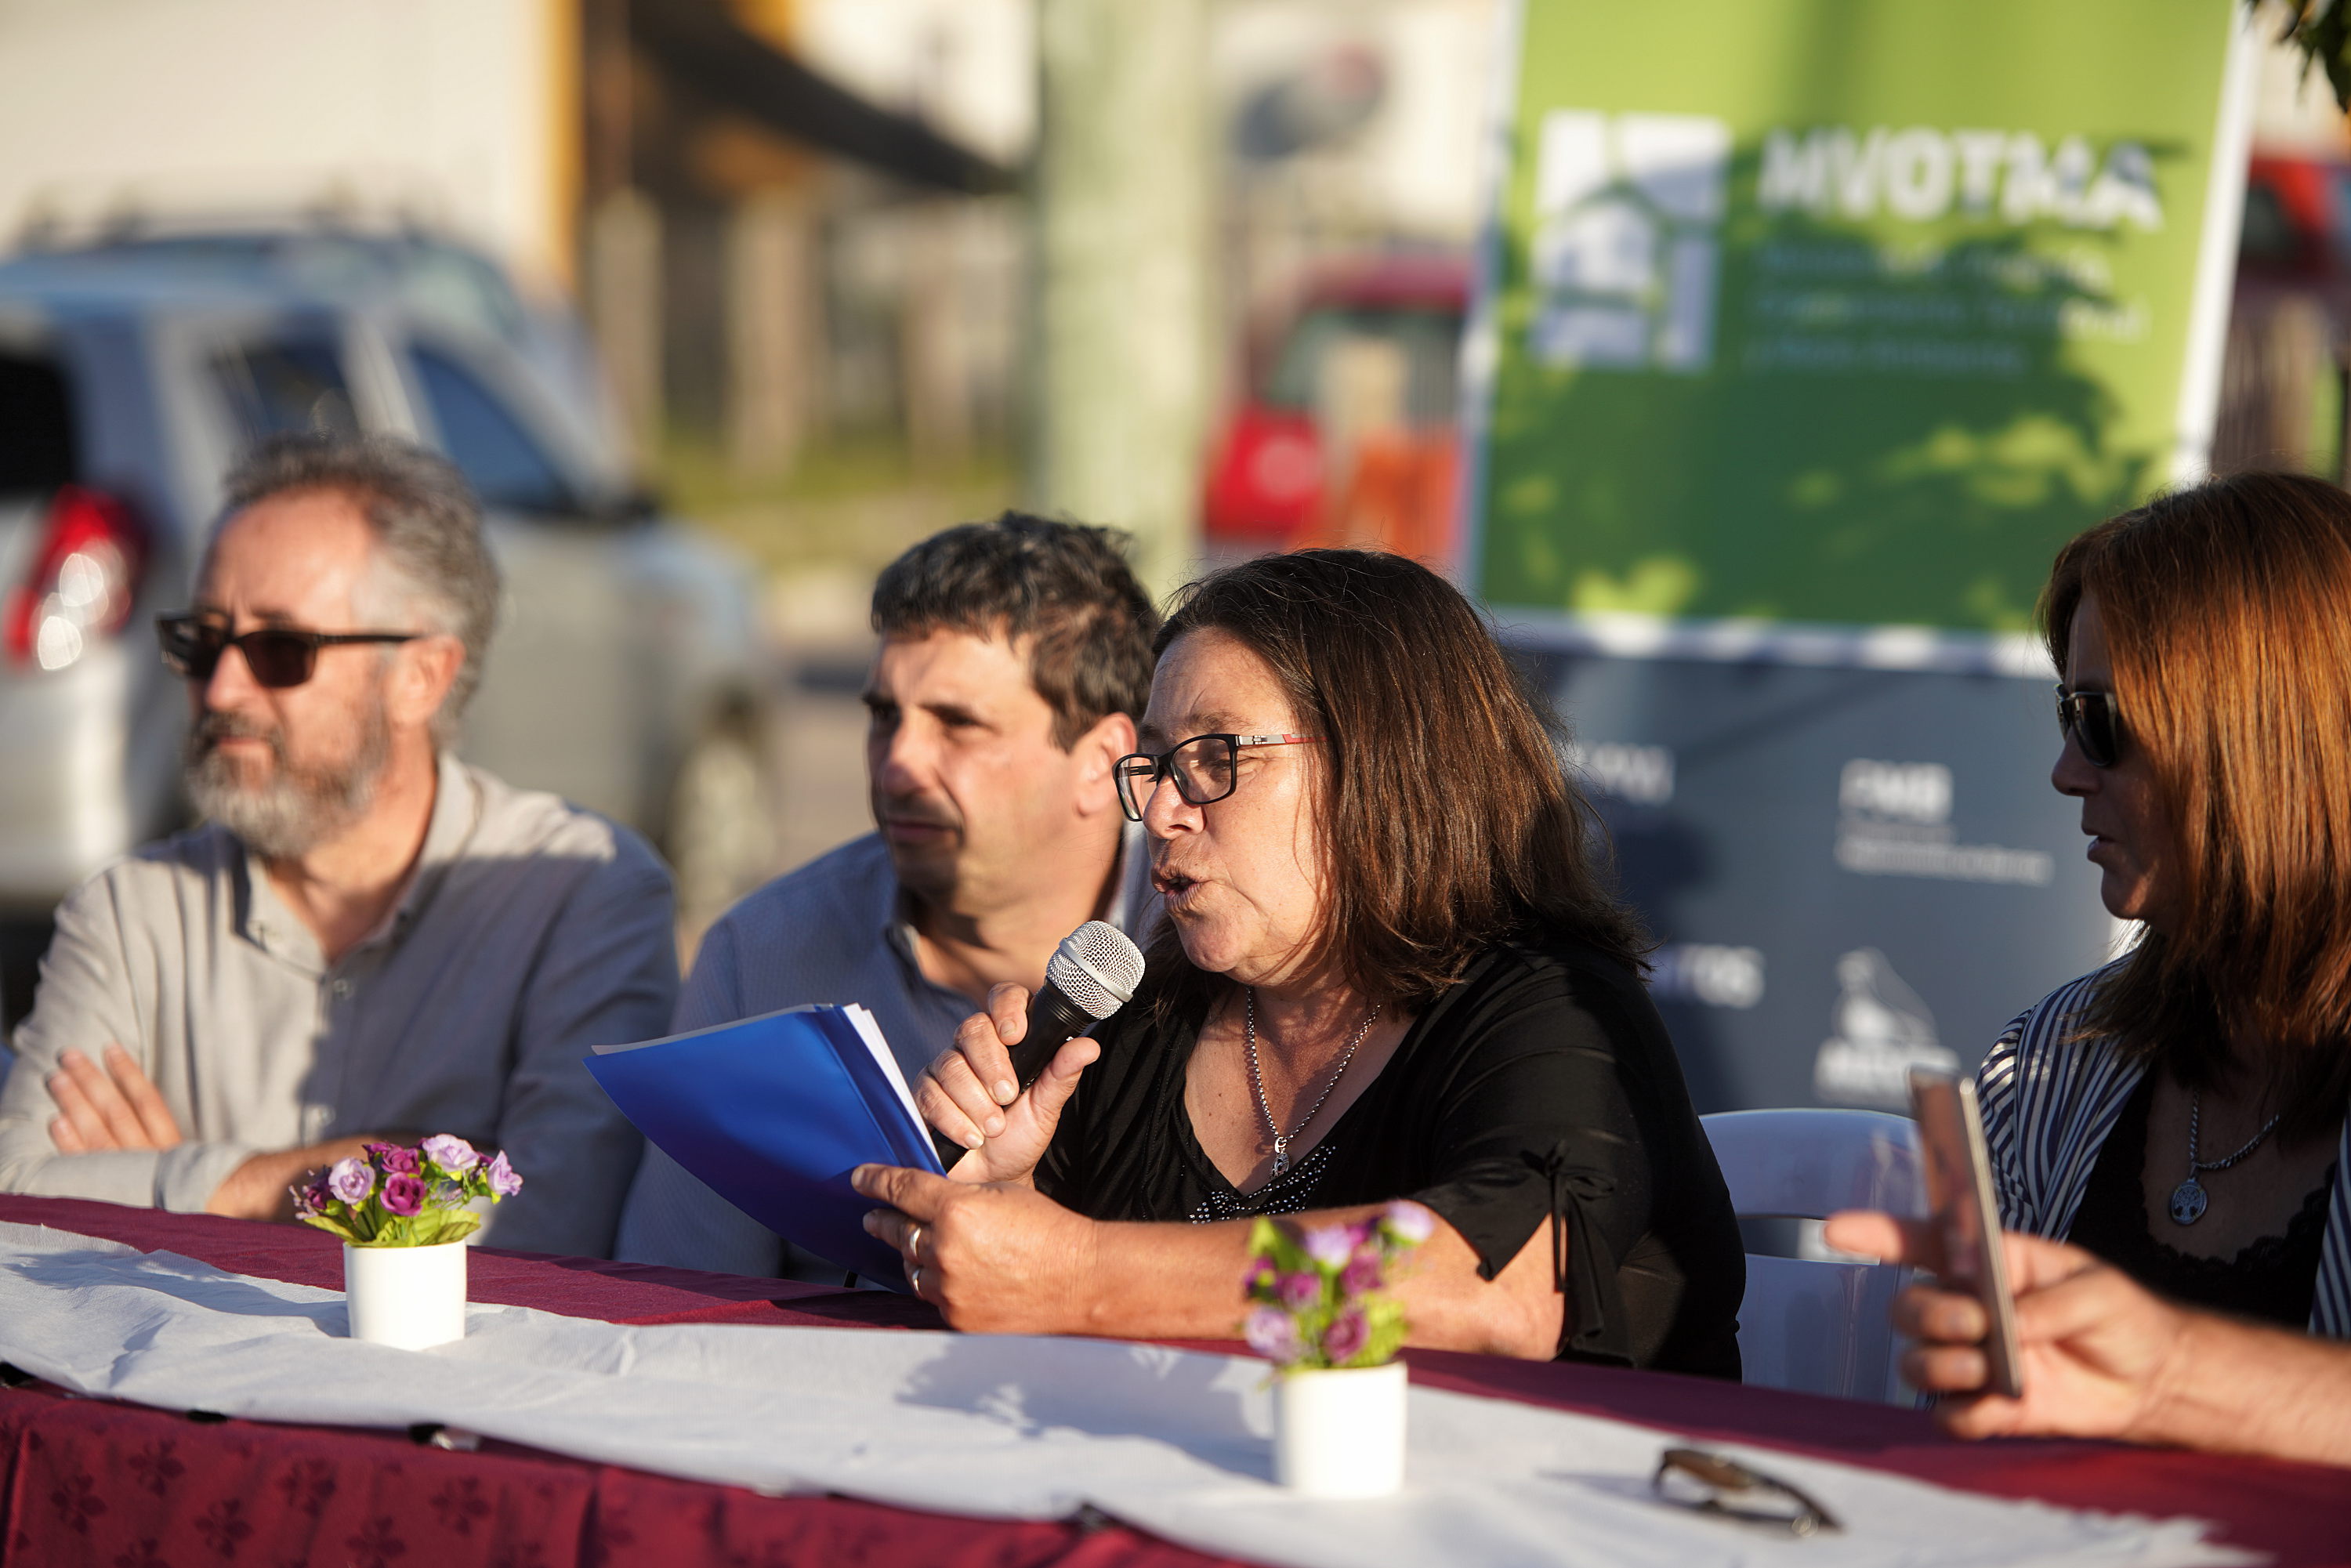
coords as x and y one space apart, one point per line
2297 221
1347 431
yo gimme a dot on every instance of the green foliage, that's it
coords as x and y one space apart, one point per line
367 1225
2322 31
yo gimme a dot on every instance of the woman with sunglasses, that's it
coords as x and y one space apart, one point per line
1390 970
2180 1111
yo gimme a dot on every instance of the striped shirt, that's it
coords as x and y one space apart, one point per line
2048 1104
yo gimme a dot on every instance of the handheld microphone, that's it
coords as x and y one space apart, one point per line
1091 976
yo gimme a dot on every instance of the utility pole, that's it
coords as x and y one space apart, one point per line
1122 321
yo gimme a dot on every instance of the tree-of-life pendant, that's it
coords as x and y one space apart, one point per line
2188 1202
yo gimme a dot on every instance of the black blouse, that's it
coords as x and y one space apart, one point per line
2274 1279
1541 1083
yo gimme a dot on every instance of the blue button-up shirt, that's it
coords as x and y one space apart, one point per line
835 930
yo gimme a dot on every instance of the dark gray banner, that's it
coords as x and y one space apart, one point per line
1851 870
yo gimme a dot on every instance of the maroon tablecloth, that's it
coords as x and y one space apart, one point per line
90 1481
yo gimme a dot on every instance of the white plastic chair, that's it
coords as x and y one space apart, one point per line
1819 1324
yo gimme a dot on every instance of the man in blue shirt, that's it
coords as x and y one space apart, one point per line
1015 657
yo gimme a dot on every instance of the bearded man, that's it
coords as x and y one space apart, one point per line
367 939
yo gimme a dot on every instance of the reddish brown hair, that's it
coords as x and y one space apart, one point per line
2227 610
1447 821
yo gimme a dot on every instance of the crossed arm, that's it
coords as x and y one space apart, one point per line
2104 1358
118 1107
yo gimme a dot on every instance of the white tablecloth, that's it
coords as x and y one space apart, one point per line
1174 1442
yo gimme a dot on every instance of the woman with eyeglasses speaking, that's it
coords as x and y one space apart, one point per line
1390 970
2179 1112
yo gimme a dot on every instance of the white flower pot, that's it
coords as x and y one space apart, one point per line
413 1297
1340 1433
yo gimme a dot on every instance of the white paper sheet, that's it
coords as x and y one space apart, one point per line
1174 1442
870 1033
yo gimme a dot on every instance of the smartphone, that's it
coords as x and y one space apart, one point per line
1960 1196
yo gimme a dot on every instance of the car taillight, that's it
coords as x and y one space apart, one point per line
83 582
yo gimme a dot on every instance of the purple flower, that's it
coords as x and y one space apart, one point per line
1346 1336
1411 1223
403 1194
1302 1288
1261 1275
504 1182
311 1195
352 1179
395 1160
1329 1244
1362 1272
1272 1334
453 1154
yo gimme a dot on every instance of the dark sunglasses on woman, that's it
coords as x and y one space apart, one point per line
279 656
2095 723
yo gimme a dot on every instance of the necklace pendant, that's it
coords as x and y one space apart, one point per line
1280 1156
2188 1202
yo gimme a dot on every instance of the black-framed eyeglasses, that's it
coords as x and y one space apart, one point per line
1713 1483
279 656
2095 722
1203 768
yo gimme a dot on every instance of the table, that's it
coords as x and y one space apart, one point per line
91 1481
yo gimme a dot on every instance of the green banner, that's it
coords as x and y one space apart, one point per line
1845 311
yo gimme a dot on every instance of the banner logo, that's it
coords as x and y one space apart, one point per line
1894 818
1626 247
1883 1030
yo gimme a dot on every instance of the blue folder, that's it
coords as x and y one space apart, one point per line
772 1114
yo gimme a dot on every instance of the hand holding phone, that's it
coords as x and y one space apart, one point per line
1965 1214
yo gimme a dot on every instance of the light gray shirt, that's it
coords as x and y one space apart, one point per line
835 930
530 932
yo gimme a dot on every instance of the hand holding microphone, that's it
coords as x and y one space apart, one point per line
964 1094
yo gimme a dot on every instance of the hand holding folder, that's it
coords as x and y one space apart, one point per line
772 1114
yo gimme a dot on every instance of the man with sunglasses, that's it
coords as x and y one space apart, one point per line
367 939
1013 658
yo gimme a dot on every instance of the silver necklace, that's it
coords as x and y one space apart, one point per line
1257 1080
2188 1200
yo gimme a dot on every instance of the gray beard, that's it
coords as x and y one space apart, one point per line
297 808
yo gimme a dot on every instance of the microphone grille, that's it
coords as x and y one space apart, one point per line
1097 967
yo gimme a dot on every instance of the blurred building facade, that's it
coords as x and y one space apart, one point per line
457 115
789 220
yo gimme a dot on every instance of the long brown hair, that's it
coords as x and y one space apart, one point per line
1445 820
2227 610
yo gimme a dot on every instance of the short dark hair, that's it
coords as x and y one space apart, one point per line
1447 821
1066 586
426 523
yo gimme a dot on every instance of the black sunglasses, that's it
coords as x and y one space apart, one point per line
1718 1484
279 656
2095 722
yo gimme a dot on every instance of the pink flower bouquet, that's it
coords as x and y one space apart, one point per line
1319 1297
402 1196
